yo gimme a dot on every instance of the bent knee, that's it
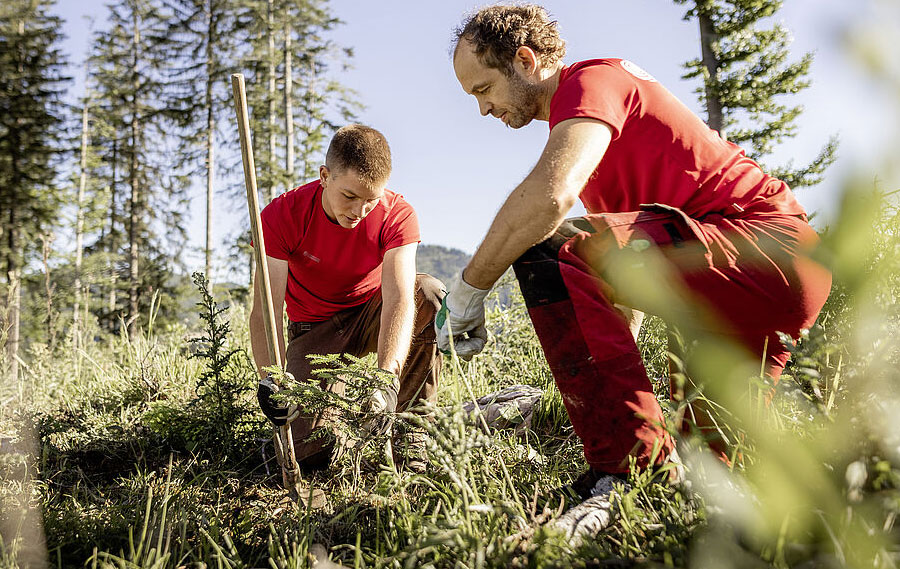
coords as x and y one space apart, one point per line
429 293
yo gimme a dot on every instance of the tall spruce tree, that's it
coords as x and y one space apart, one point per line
259 59
202 38
292 92
31 123
90 196
323 104
107 143
293 96
745 71
128 69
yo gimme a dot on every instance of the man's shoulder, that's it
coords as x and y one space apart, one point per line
394 203
305 192
296 200
597 65
596 61
398 217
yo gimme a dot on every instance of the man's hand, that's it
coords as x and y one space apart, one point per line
279 413
382 401
462 312
381 405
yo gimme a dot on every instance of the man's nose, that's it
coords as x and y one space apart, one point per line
485 108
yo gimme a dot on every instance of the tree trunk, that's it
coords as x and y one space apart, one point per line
310 116
14 293
271 32
113 238
708 37
288 107
210 139
134 203
46 241
79 224
13 273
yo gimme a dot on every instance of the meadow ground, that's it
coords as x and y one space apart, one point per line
148 451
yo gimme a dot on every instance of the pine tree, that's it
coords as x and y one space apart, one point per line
79 215
288 62
106 143
745 71
259 59
323 104
202 38
290 91
31 123
90 195
128 68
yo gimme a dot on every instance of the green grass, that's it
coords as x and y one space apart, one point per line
131 465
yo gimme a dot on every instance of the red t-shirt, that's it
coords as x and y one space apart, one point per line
661 152
331 268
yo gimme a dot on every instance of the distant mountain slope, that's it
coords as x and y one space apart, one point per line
441 262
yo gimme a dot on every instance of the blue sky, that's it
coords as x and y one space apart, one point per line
456 167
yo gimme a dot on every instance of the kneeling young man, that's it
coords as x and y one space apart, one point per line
341 254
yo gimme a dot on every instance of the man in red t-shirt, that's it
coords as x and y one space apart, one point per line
341 254
727 243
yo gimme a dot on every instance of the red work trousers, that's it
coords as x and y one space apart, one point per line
744 277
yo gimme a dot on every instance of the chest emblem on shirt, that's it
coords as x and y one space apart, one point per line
636 71
311 257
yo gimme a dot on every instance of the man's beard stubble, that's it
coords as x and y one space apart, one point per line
525 102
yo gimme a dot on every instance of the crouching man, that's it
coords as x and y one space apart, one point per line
341 254
661 190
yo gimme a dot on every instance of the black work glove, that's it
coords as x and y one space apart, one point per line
277 412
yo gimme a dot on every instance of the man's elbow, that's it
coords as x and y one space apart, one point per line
555 208
558 193
560 205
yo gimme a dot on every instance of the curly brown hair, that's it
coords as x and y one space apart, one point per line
362 149
496 32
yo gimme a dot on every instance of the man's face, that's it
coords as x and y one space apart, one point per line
345 198
512 99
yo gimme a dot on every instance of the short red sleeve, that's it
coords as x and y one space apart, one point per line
402 225
278 231
604 92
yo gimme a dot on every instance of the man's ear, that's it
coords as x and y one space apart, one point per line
526 61
324 174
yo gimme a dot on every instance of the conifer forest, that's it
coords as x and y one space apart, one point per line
130 432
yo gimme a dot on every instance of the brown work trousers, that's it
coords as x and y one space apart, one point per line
355 331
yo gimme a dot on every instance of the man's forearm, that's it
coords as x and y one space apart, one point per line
529 215
259 344
537 207
395 334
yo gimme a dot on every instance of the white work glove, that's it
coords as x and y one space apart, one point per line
381 405
462 311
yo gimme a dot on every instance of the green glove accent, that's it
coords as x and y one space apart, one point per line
442 313
441 318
